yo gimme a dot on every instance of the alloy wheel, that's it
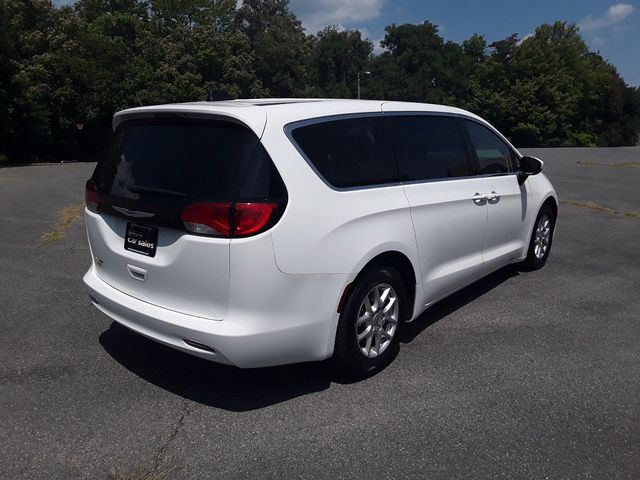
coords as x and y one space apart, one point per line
542 236
377 320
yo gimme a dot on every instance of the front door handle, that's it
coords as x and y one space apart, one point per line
479 197
493 196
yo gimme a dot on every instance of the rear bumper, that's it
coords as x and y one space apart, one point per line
246 338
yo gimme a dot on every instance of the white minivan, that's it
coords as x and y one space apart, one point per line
273 231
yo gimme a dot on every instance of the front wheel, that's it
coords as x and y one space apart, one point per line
541 239
368 334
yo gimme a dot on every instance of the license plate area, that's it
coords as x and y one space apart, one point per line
142 239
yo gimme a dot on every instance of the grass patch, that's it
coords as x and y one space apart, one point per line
67 217
618 165
600 208
52 236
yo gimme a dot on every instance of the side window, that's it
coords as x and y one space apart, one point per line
493 154
429 147
350 152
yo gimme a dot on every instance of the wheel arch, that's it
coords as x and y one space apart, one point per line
551 201
403 265
553 204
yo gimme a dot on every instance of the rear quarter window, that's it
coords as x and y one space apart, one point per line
349 152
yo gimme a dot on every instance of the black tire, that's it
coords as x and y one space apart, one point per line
533 261
348 358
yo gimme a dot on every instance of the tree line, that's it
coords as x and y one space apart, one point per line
65 71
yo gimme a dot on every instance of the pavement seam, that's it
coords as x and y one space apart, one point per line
186 411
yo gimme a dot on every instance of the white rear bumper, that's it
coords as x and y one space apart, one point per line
297 328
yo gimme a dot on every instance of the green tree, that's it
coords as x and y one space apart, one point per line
335 61
24 35
279 45
215 14
61 68
475 49
565 93
419 65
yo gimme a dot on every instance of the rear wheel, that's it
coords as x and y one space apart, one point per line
541 239
367 338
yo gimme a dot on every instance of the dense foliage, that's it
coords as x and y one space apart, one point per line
65 71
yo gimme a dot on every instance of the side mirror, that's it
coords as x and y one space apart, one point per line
529 166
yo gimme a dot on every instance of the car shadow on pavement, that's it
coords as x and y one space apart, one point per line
209 383
240 390
450 304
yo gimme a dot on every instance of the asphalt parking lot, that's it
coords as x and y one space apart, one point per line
521 375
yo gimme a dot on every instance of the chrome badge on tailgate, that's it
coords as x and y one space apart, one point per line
133 213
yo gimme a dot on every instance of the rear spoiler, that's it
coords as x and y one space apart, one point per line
254 118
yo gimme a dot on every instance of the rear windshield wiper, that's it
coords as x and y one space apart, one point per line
154 190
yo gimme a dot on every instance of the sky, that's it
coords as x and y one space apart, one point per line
611 28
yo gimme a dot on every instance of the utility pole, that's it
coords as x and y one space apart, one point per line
366 73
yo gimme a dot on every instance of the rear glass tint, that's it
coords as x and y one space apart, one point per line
429 147
493 154
192 159
350 152
262 180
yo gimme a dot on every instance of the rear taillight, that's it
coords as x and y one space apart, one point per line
208 218
91 196
229 219
252 218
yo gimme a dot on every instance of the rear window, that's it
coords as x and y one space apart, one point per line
350 152
188 159
429 147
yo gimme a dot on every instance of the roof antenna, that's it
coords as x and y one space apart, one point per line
218 95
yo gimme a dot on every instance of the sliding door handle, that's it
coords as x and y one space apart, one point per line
479 197
493 196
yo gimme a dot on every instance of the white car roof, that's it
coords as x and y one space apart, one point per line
254 112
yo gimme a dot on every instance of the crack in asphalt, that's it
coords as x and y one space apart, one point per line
186 411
